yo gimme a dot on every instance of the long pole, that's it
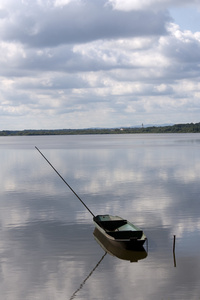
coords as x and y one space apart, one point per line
174 245
64 181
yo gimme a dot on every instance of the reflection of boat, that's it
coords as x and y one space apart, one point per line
117 249
116 229
82 284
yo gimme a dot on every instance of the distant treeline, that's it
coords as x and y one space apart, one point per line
177 128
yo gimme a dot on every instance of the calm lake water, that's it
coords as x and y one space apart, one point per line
47 247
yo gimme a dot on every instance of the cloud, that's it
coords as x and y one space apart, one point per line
77 22
128 5
93 62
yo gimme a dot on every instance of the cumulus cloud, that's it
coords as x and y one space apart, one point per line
96 62
77 22
128 5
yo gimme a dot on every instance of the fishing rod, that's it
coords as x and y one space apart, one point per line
64 181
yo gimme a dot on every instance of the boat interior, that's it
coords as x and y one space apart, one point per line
112 225
117 227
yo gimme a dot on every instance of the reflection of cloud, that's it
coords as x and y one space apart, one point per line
108 179
46 240
53 258
43 256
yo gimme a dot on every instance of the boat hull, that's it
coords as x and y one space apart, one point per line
120 231
118 250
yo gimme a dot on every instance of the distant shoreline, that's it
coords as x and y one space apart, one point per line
177 128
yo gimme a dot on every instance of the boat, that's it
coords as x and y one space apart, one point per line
117 249
114 228
119 230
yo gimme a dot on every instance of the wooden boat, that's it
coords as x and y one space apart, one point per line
114 228
117 229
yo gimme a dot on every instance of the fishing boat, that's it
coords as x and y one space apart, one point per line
117 229
114 228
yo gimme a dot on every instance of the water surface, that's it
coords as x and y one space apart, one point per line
47 246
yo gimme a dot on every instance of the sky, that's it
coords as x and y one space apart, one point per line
98 63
